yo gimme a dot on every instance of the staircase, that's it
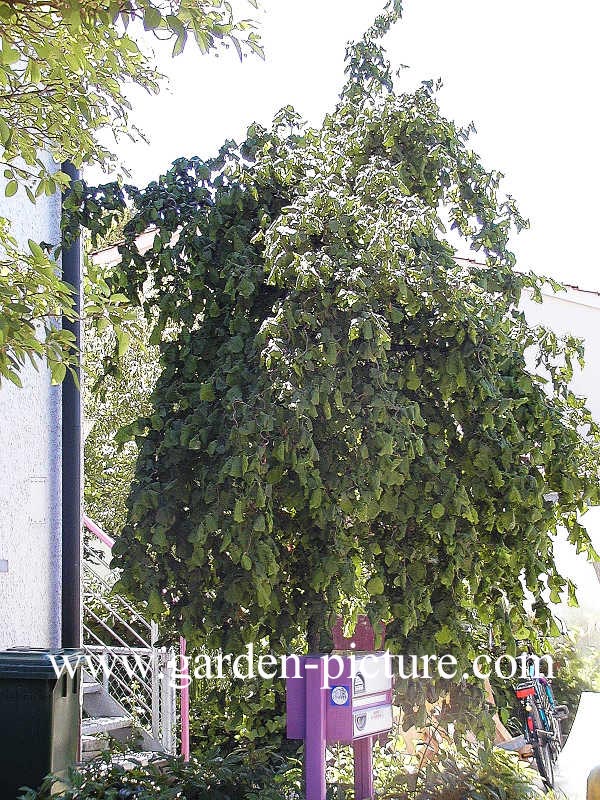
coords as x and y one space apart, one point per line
128 689
105 719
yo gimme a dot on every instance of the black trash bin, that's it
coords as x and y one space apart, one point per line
40 715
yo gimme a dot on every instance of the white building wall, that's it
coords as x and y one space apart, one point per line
30 469
577 312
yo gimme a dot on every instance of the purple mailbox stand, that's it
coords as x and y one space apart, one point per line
338 699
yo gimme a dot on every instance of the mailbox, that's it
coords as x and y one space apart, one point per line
338 699
359 702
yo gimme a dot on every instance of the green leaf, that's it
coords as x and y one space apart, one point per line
180 43
155 604
413 382
123 340
4 134
236 345
316 498
444 635
36 251
58 372
238 512
8 55
13 377
11 188
152 18
375 585
572 595
207 392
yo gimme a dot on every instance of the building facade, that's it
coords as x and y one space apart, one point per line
30 473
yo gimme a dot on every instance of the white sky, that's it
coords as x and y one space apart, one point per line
525 71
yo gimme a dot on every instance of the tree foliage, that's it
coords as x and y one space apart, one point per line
113 397
347 417
111 402
63 70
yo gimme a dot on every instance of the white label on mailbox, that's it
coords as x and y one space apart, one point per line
372 674
372 720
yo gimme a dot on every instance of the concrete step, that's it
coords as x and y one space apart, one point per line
93 746
142 759
92 688
93 743
95 725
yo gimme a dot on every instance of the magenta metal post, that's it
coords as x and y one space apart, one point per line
363 768
185 702
314 745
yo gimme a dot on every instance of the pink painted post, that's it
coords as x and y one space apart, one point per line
365 637
185 702
314 744
363 768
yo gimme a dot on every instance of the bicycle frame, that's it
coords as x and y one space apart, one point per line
542 723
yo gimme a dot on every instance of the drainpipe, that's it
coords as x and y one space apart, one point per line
72 455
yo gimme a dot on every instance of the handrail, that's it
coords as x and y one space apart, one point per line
113 633
185 690
123 622
98 532
91 633
118 597
115 677
113 648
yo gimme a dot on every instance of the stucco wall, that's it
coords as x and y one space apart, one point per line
30 500
578 312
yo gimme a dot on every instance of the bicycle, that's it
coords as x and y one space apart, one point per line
542 721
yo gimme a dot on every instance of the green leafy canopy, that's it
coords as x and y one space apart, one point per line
344 418
64 66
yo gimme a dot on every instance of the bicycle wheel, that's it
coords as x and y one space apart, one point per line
541 748
556 743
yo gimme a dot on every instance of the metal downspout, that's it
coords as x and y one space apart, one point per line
72 456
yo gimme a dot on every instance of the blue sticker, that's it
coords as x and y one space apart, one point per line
340 696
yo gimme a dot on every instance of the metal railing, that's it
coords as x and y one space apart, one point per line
122 652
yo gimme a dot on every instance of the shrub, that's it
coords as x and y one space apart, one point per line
464 772
239 775
473 774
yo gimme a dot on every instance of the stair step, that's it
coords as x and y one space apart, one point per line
92 747
93 744
133 760
94 725
92 688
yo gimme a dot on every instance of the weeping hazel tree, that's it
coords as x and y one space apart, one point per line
348 419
